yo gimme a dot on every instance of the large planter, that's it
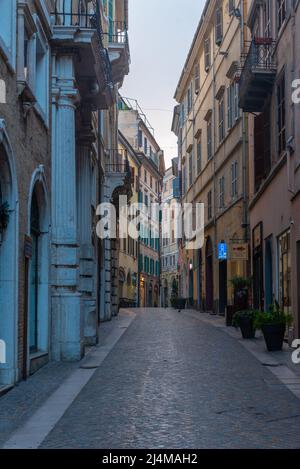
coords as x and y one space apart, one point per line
178 303
274 335
247 328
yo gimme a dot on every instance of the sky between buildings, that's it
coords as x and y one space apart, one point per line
160 35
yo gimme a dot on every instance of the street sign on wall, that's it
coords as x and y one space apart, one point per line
239 252
222 252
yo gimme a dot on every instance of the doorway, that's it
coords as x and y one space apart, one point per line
268 273
222 287
35 233
209 286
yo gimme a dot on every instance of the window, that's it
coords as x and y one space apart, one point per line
42 73
199 156
145 176
209 138
221 119
230 105
146 200
209 205
231 7
234 179
191 168
140 138
207 54
267 18
197 78
222 192
281 12
284 258
145 146
8 29
190 98
236 108
281 115
184 179
219 26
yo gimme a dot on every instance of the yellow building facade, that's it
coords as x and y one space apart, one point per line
212 137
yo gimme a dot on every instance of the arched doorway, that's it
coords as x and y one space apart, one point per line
37 274
8 259
209 286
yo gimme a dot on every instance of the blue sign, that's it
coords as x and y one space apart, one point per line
222 252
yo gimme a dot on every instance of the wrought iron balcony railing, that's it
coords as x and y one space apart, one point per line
81 13
118 162
118 32
258 74
259 55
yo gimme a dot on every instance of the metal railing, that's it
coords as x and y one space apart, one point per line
117 33
79 13
118 161
258 55
85 14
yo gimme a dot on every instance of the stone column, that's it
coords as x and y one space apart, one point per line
67 319
86 250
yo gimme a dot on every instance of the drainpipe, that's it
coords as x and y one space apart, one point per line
245 223
214 161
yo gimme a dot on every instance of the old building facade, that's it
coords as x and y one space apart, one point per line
169 241
212 141
270 64
134 125
61 65
25 183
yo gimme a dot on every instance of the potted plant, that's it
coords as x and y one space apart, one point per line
241 287
273 325
245 321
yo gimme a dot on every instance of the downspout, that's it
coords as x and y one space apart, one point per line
245 223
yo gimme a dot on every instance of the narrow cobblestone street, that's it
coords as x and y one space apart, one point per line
173 380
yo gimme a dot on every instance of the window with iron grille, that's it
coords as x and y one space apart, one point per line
222 192
209 205
234 179
281 115
219 26
221 119
209 138
207 58
281 13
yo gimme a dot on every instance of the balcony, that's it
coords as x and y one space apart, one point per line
118 47
118 174
77 27
258 74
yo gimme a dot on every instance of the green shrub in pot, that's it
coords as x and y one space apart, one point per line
245 321
273 324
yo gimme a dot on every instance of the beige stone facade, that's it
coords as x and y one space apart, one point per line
212 135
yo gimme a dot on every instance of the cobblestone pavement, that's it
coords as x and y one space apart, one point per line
175 381
172 380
